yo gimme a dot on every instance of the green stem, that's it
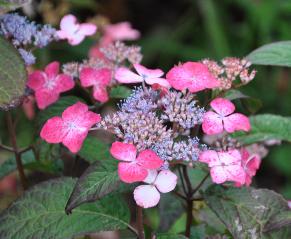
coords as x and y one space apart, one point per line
140 229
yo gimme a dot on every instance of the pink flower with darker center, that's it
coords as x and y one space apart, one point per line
99 79
74 31
223 118
193 76
151 77
149 195
224 165
250 164
48 84
72 128
134 168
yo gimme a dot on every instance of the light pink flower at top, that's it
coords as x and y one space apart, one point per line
124 75
74 31
250 164
224 165
134 169
99 79
48 84
149 195
72 128
193 76
223 118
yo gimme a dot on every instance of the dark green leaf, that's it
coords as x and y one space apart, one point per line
40 213
249 212
120 92
96 182
266 127
170 236
276 54
12 75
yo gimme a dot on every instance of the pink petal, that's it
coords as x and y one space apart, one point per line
89 119
222 106
230 157
210 157
100 94
52 131
36 80
64 83
218 174
149 159
212 123
62 34
166 181
121 31
131 172
52 69
145 72
124 75
160 81
253 164
90 76
69 24
45 98
123 151
75 112
75 39
146 196
87 29
74 139
152 175
236 122
235 173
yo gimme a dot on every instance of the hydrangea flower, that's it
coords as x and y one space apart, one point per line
223 118
48 84
224 165
134 168
149 195
193 76
74 31
99 79
250 164
72 128
124 75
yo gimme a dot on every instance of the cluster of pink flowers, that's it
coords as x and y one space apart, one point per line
234 165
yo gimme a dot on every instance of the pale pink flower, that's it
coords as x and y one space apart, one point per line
99 79
72 128
193 76
149 195
223 118
48 84
224 165
289 204
73 31
250 164
124 75
134 168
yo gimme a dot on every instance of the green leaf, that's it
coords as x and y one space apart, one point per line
96 182
249 212
10 5
120 92
40 213
9 165
12 75
266 127
170 236
94 149
276 54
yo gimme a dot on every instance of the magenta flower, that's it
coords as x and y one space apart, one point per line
74 31
223 118
72 128
124 75
99 79
224 165
193 76
149 195
134 169
49 84
250 164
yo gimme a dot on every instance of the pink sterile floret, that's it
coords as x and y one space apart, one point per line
223 118
124 75
193 76
134 169
99 79
224 165
74 31
48 84
72 128
149 195
250 164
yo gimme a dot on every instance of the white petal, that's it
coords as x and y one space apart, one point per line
152 174
166 181
146 196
